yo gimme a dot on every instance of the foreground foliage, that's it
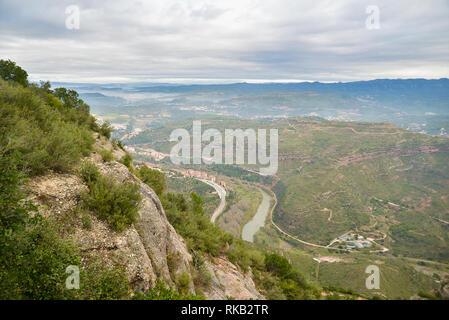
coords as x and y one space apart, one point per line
42 130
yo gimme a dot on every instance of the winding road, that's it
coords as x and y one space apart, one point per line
221 193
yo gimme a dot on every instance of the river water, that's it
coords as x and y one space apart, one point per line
258 221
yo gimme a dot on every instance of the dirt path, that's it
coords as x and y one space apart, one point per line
330 213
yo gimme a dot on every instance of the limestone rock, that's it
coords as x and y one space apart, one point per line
227 281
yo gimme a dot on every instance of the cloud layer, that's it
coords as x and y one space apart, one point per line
225 41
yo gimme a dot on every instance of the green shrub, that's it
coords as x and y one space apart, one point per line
292 283
33 262
99 282
106 130
427 295
106 155
241 255
153 178
116 203
202 277
176 200
13 211
89 172
277 265
118 144
86 220
127 161
183 283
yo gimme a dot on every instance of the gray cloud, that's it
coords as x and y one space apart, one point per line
169 40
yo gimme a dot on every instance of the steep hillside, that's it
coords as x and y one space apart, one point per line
148 251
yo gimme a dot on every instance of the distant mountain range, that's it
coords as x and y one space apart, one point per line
416 104
435 86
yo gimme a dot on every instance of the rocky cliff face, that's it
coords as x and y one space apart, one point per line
227 281
149 250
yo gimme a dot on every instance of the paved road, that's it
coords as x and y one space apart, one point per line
222 194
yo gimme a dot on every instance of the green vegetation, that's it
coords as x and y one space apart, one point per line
154 178
33 256
183 283
187 185
12 210
106 130
117 144
118 204
89 172
292 282
127 160
9 71
43 130
106 155
201 276
190 222
35 124
274 276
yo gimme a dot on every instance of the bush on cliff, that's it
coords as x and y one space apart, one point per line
118 204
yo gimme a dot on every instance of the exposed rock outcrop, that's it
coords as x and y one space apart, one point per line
227 281
157 235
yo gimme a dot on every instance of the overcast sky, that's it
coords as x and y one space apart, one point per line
226 41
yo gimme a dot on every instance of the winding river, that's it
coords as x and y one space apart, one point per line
258 221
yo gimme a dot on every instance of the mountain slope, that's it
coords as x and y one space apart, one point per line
148 251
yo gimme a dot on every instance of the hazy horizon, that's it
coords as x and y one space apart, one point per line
224 81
